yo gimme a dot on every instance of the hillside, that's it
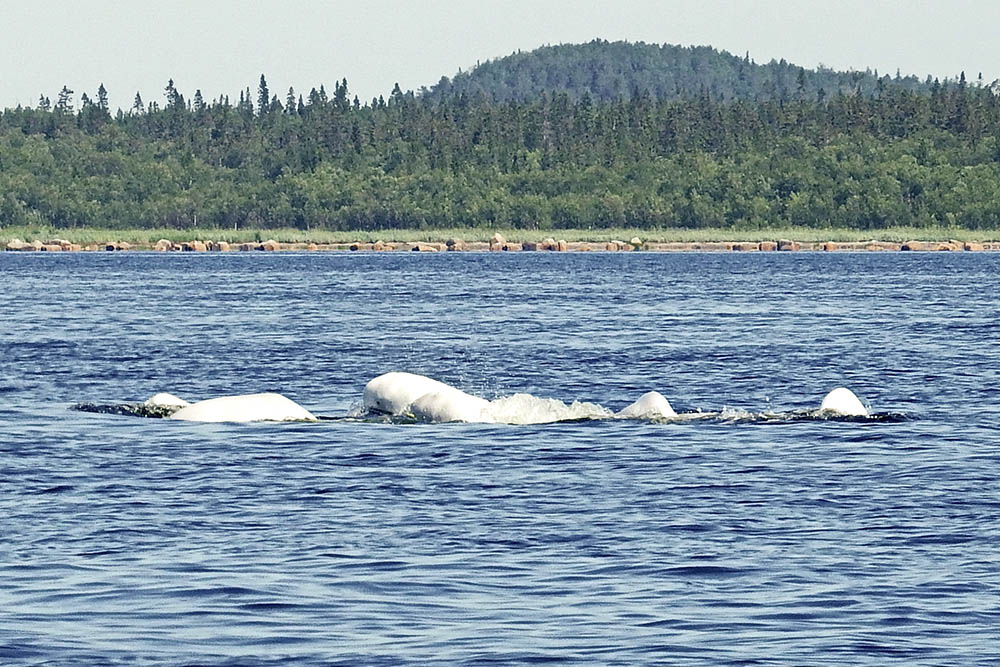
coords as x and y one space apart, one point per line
897 157
607 71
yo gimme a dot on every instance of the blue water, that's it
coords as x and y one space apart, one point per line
146 541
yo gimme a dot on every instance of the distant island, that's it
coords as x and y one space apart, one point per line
593 137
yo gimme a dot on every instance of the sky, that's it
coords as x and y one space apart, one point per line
223 46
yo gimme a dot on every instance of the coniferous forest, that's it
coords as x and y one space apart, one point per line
602 135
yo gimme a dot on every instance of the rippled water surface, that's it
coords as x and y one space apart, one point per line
128 541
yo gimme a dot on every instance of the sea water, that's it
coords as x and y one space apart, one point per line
732 540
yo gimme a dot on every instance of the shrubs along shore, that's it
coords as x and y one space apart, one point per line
498 243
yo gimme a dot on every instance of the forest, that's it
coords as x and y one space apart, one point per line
724 144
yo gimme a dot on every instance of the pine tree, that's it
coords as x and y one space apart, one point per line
290 101
138 108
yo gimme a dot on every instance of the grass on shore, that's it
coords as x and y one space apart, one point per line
87 236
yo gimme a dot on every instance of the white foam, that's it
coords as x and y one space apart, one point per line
528 409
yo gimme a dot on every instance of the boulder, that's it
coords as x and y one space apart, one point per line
497 241
913 246
455 244
73 247
785 245
423 247
17 244
52 247
163 245
969 246
381 246
767 246
223 246
830 246
269 245
312 247
548 244
530 246
58 242
743 246
561 245
636 243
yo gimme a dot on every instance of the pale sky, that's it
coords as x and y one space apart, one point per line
223 46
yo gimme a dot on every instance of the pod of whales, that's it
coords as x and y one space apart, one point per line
409 396
397 393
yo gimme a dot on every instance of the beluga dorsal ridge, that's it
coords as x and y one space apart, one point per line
650 405
843 402
245 408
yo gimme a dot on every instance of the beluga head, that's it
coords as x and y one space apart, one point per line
842 402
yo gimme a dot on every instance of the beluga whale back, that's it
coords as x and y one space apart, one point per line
398 393
244 408
650 405
844 403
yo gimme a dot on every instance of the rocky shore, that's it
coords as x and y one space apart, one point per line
499 244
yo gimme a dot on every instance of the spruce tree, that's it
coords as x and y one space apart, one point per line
263 96
102 98
64 104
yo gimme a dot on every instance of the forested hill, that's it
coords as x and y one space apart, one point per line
896 157
606 71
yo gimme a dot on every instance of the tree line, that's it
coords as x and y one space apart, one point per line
862 159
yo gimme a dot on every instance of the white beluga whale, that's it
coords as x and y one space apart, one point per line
450 406
651 405
843 402
393 392
398 393
244 408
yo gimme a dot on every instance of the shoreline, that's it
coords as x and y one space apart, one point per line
500 244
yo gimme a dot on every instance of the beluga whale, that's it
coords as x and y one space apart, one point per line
651 405
842 402
397 393
242 408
